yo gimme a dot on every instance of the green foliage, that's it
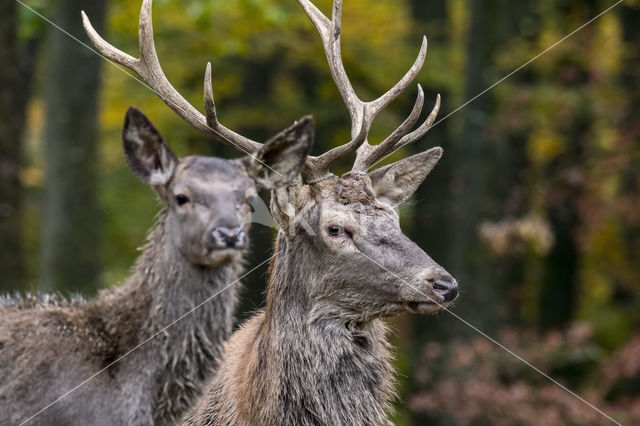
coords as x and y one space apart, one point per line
569 107
30 24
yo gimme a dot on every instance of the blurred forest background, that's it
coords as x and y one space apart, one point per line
535 206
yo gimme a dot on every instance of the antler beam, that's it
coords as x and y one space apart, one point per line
148 67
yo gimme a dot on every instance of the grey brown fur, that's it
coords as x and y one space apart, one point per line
49 345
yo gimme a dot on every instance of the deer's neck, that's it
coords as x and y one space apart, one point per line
163 301
328 370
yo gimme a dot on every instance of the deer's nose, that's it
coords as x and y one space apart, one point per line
448 289
225 237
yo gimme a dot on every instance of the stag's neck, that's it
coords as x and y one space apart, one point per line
331 370
163 301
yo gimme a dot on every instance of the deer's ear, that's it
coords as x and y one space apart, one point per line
148 154
398 181
281 159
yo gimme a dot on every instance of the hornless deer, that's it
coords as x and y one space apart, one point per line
48 345
318 354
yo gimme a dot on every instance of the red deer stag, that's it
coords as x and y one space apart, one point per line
319 354
49 345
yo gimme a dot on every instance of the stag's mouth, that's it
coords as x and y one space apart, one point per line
424 307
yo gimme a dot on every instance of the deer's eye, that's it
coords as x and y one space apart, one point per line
336 230
182 199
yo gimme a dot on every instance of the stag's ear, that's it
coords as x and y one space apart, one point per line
398 181
281 159
147 152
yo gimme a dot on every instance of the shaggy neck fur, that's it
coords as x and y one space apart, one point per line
164 353
297 363
333 372
164 287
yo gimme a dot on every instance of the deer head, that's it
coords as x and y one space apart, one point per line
206 198
343 231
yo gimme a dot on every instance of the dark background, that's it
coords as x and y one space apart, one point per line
535 206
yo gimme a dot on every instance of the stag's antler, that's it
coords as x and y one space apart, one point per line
362 113
148 67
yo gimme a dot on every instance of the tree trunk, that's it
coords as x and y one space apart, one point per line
472 155
11 125
431 225
557 293
71 230
630 79
560 285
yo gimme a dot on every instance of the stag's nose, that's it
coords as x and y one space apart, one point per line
448 289
229 237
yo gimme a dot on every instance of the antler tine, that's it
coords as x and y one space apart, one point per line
374 107
212 118
209 103
362 113
368 155
318 167
148 67
420 131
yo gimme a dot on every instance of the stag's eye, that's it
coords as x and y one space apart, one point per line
182 199
336 231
